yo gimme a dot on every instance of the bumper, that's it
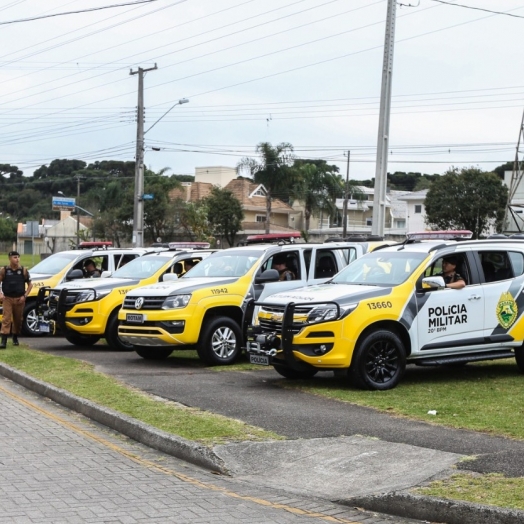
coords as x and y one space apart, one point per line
159 328
320 345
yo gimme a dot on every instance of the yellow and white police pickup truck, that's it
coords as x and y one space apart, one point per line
66 266
205 307
392 307
86 310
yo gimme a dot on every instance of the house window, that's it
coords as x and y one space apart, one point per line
418 208
369 221
401 224
261 218
259 192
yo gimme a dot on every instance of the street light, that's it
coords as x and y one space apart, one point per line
78 209
138 208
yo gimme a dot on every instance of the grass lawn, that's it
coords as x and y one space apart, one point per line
482 397
80 379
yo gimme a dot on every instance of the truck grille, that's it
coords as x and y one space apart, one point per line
149 302
275 324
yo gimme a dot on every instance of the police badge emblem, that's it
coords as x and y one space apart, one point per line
507 310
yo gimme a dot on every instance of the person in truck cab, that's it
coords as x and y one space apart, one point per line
90 269
452 279
280 264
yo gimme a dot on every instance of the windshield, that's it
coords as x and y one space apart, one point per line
225 265
380 269
141 267
54 264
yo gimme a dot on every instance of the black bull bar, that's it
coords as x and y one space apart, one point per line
282 338
47 313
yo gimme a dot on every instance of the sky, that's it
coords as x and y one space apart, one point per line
306 72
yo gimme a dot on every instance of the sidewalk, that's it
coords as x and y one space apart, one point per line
58 467
356 471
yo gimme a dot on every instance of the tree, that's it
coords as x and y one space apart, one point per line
193 220
318 187
224 213
466 199
272 170
7 230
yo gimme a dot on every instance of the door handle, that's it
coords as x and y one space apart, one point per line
474 297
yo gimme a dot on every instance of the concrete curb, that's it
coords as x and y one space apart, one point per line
160 440
436 510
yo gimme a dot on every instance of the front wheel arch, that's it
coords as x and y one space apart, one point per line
379 361
30 320
111 333
220 341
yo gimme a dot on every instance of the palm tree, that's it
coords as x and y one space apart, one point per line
272 170
318 188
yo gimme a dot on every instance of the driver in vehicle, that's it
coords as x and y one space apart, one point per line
452 279
280 264
90 269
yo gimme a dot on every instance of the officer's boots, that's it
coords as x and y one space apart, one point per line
3 345
15 340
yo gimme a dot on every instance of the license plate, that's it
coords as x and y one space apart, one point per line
137 319
43 327
261 360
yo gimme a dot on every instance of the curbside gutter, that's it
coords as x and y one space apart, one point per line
431 509
157 439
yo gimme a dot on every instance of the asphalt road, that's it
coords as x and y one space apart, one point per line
258 398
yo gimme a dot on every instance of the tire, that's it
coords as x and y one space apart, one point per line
220 342
30 321
519 358
82 340
111 335
293 374
379 361
152 353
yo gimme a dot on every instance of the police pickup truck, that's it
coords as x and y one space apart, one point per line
63 266
204 308
86 310
391 308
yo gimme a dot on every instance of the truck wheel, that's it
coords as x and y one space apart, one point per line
293 374
519 358
82 340
112 337
220 342
151 353
379 361
30 321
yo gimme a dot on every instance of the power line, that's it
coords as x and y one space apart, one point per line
479 9
77 12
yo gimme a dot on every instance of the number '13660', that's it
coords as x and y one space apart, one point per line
380 305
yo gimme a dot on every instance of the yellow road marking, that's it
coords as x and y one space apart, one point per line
185 478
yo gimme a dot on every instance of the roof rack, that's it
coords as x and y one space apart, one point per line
355 238
459 234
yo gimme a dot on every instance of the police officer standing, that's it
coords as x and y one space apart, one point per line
13 279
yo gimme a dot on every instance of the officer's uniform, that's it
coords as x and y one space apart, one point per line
13 282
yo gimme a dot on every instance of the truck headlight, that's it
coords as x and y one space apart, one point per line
329 312
176 302
90 294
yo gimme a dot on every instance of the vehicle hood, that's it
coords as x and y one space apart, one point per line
99 283
184 285
341 293
40 276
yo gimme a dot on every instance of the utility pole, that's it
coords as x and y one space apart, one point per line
77 211
379 198
138 208
516 178
345 208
